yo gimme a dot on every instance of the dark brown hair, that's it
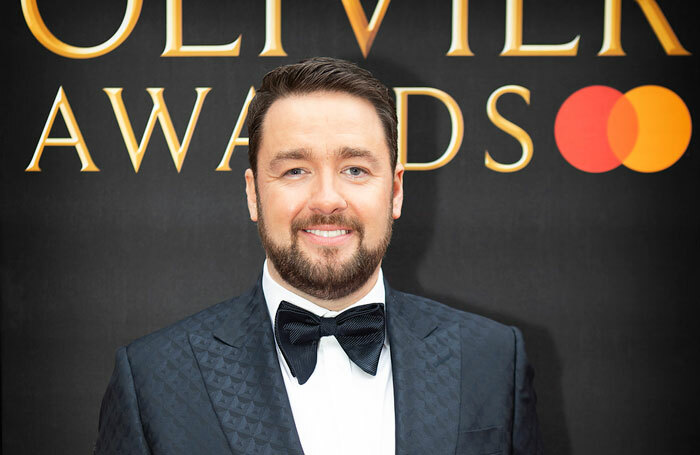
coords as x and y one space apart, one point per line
320 74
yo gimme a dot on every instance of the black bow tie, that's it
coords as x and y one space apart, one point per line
359 331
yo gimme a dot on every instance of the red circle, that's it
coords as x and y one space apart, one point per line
581 129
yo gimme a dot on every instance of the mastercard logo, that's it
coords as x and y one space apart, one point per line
646 129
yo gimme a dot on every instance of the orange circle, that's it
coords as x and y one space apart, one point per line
664 132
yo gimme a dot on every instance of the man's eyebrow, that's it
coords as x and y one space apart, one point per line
350 152
296 154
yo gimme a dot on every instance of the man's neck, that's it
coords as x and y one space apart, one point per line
332 305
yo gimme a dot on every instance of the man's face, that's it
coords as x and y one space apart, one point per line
325 195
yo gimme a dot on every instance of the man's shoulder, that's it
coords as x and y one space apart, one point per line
415 306
174 336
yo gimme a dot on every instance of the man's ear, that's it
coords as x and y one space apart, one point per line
251 195
397 187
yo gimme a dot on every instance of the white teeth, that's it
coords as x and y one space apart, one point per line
335 233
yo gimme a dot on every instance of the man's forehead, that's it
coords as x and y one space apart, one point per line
332 123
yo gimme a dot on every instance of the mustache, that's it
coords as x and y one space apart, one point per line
337 219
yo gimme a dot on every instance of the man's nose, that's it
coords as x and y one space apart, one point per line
326 197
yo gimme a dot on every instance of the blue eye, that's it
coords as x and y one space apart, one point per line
355 171
295 171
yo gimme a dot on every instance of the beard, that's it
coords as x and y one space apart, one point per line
328 278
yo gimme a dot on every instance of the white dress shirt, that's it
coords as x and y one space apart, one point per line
340 409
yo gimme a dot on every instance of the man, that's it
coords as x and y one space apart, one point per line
322 356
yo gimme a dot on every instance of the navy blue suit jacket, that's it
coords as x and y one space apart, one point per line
211 384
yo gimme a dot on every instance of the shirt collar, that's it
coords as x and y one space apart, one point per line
275 293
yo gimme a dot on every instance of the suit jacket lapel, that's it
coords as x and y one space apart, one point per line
426 365
239 365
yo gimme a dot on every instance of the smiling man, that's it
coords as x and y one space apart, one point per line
321 356
324 191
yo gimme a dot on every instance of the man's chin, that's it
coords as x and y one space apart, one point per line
324 271
325 276
327 272
327 257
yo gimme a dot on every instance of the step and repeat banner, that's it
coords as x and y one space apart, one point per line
552 184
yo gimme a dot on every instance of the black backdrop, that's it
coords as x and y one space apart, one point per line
600 271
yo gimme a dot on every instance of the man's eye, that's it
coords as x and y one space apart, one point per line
355 171
296 171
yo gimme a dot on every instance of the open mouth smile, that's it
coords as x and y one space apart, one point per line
327 235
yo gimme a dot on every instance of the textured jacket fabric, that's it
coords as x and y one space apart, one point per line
211 384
